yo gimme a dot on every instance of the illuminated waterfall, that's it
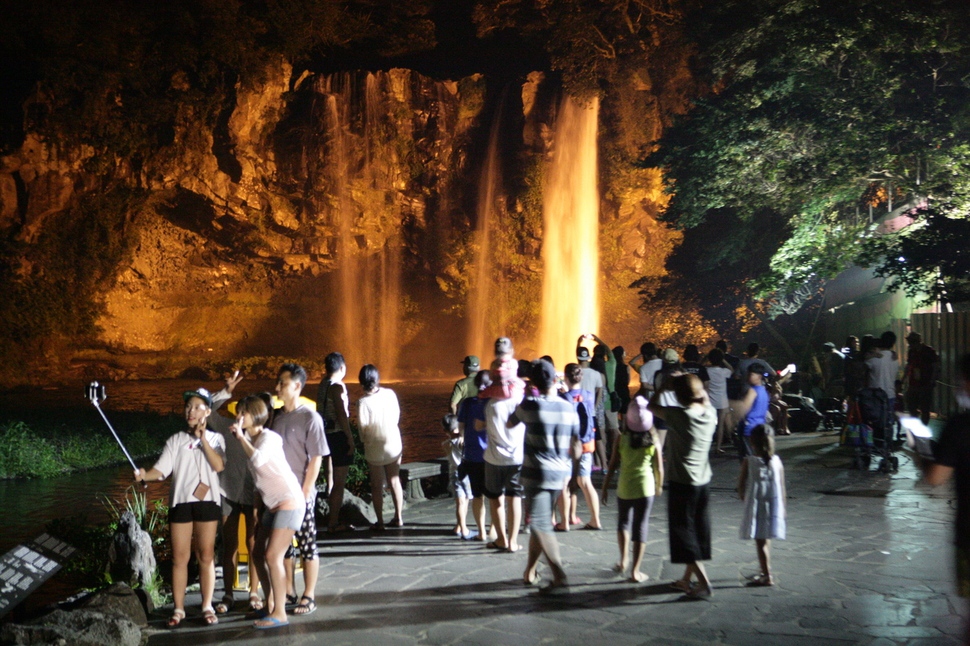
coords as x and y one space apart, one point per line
485 305
364 201
570 245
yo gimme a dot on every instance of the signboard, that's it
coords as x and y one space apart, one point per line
24 568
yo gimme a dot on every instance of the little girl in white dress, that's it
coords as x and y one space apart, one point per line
761 485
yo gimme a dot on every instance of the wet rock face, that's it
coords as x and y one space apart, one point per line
316 211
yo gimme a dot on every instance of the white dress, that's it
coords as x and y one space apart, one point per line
379 415
764 503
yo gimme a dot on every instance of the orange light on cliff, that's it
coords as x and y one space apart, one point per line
570 245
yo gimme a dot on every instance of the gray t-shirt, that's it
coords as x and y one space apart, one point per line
303 438
688 444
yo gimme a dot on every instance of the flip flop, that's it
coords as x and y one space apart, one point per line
470 536
303 609
493 545
590 526
273 622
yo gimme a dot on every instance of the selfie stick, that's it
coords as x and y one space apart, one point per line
97 395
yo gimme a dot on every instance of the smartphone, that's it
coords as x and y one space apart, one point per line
792 369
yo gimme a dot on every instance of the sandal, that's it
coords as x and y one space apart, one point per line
305 608
255 603
177 616
291 599
761 581
225 605
681 586
209 616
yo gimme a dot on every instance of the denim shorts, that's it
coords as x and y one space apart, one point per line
283 519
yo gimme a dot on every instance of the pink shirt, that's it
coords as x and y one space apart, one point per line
275 481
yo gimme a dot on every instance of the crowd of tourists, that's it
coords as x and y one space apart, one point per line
522 439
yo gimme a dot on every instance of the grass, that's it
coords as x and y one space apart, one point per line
44 445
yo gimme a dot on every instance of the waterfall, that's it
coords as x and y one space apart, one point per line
485 306
363 200
570 246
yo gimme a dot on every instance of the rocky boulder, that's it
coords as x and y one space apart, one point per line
75 628
120 600
130 554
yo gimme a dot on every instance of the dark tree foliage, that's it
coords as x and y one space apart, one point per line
819 109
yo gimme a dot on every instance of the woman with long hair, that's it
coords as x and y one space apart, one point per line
280 502
379 415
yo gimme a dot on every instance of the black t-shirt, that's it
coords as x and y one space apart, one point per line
953 450
695 368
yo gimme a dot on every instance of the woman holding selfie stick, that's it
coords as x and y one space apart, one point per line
280 500
194 459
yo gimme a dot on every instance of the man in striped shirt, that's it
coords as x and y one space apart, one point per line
551 443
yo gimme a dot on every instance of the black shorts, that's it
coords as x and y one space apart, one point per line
338 449
475 471
195 512
503 480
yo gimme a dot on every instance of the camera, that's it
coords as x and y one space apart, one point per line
95 392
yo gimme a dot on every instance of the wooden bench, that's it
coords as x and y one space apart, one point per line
413 472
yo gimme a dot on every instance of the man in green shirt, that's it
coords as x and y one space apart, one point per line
465 387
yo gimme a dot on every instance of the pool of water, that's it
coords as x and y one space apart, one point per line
29 504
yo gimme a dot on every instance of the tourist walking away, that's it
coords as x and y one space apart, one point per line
504 373
951 456
594 382
333 404
622 380
305 446
605 361
458 485
638 459
238 491
922 373
551 440
761 485
280 503
379 417
194 459
471 423
581 479
647 364
692 364
690 428
732 361
719 373
465 387
503 466
883 368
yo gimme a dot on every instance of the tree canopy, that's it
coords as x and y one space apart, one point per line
818 111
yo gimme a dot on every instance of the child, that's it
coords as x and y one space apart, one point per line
459 486
761 485
584 402
503 370
641 479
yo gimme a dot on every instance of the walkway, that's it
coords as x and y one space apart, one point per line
867 561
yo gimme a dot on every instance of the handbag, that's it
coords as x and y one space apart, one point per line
856 432
615 402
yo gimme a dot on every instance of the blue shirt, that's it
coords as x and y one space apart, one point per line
470 410
759 410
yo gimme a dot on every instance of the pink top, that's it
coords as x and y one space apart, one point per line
638 418
275 481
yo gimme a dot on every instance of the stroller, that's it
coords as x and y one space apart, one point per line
872 416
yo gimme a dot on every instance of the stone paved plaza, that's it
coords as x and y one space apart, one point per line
867 561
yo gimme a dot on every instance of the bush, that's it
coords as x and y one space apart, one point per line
24 454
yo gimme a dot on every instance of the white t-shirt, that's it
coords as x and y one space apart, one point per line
883 370
379 415
592 379
184 459
506 446
649 370
275 481
717 386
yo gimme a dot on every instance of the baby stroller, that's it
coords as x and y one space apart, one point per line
873 410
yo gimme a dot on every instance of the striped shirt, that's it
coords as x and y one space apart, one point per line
551 425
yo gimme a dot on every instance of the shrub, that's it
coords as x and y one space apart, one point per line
24 454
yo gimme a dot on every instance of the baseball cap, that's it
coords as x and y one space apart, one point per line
543 374
582 354
472 362
201 393
670 356
503 345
